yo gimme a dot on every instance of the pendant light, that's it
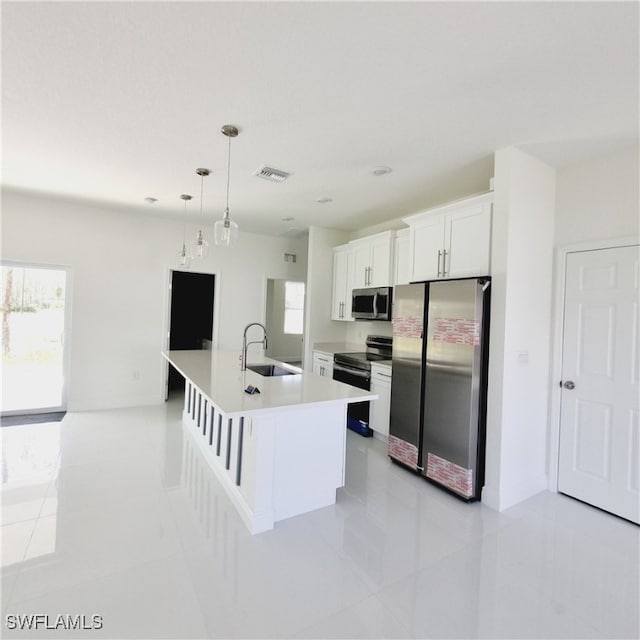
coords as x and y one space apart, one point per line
201 246
184 257
226 230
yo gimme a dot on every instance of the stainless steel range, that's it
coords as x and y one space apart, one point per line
355 369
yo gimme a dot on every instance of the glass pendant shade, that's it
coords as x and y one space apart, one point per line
225 231
184 259
200 246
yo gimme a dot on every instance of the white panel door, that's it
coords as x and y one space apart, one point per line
599 442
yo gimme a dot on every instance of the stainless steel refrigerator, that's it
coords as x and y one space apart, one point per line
438 388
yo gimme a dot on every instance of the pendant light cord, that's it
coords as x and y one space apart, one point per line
201 192
226 212
184 224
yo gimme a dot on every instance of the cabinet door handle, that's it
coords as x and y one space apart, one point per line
439 256
342 309
370 270
444 263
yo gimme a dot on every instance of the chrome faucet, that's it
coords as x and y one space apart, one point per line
245 344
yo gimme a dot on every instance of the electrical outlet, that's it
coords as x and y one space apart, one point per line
135 376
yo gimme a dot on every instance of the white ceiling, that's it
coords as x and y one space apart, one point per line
116 101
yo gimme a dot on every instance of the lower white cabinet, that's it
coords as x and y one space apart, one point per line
380 409
323 364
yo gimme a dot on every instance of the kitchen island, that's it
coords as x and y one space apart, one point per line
277 453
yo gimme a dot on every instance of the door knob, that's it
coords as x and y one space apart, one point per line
569 384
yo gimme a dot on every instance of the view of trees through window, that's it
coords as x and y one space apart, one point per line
33 302
293 307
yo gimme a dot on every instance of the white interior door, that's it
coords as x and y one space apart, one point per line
599 442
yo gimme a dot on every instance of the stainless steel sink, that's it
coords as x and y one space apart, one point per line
270 370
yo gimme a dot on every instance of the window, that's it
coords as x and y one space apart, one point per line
33 332
293 307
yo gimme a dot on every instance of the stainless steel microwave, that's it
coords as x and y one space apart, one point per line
371 304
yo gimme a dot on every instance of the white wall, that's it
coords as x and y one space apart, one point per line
357 332
521 264
120 264
318 324
598 199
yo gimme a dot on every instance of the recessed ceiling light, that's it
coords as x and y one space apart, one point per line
150 200
324 200
381 171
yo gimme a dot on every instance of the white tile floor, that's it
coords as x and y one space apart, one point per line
114 513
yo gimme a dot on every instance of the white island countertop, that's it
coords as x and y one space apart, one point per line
217 374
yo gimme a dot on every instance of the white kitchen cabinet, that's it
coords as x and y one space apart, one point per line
372 260
323 364
452 241
401 263
380 409
342 282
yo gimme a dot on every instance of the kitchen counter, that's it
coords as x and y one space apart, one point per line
278 453
217 374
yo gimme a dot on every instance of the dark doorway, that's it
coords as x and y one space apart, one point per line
191 316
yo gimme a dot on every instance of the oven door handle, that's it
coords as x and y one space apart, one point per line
353 372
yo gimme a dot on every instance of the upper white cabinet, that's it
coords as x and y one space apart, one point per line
452 241
401 262
372 260
342 282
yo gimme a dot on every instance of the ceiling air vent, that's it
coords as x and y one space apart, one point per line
271 174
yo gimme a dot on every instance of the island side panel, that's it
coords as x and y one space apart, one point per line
256 486
309 459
